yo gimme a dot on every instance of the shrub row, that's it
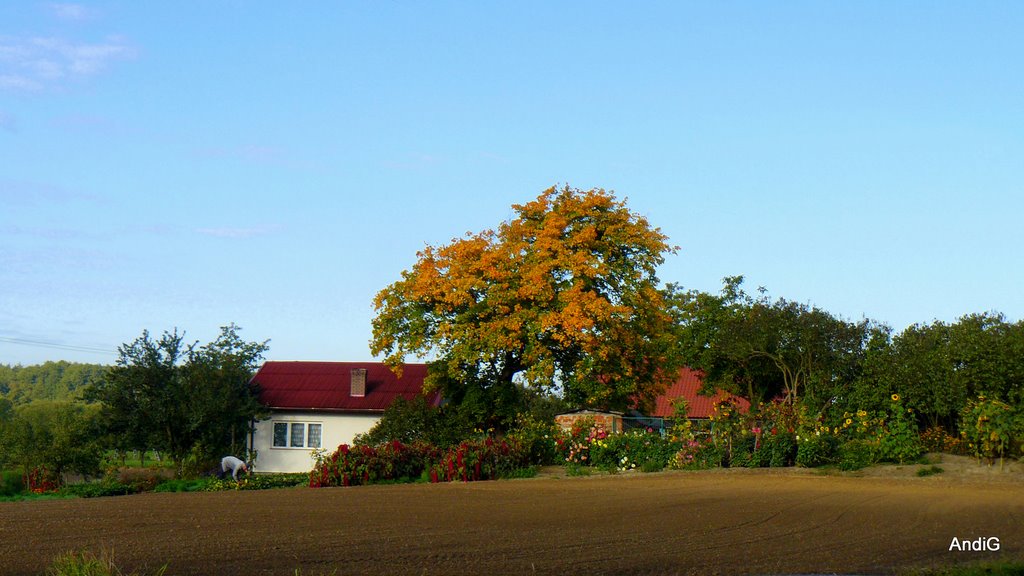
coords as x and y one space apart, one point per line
394 461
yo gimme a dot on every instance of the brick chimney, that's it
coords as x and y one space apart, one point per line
358 383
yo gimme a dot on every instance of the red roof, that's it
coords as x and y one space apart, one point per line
687 385
328 385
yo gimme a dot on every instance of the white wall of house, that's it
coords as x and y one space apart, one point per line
301 429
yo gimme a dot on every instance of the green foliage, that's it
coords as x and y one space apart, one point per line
857 454
761 349
52 381
250 482
11 483
538 438
781 449
587 444
938 367
105 487
816 448
416 421
58 436
637 448
991 427
899 440
180 398
698 454
930 471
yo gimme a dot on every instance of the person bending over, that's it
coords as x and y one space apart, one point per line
233 464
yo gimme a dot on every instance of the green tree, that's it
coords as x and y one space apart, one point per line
61 381
179 398
761 349
144 397
60 436
222 398
563 296
937 368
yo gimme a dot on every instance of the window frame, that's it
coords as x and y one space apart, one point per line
289 435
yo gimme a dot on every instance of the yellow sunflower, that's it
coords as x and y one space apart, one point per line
895 397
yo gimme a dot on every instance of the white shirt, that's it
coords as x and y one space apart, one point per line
233 464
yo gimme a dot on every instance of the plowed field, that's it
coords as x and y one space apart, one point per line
717 522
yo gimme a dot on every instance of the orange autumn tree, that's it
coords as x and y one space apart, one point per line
562 297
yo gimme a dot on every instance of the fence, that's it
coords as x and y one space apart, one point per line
697 425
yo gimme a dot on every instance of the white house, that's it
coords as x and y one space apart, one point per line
317 405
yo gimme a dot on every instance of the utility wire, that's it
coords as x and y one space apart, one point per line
68 347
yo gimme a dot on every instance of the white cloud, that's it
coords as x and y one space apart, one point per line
33 64
67 11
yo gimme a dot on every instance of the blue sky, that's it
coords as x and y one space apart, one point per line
192 164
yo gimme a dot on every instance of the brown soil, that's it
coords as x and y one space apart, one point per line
715 522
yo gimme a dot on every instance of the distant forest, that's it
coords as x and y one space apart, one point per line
56 381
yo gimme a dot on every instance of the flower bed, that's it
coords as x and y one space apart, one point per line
470 460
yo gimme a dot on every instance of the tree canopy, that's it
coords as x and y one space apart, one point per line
60 381
564 295
762 349
181 398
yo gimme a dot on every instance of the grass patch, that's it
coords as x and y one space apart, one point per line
931 470
182 485
652 466
26 496
1000 568
574 469
528 472
90 564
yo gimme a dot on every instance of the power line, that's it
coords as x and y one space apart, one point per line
55 346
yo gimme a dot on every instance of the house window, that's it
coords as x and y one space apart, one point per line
313 438
280 434
297 435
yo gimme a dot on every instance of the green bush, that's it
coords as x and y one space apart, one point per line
900 441
98 489
11 483
857 454
416 421
652 466
815 449
992 428
537 438
637 448
781 448
697 454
